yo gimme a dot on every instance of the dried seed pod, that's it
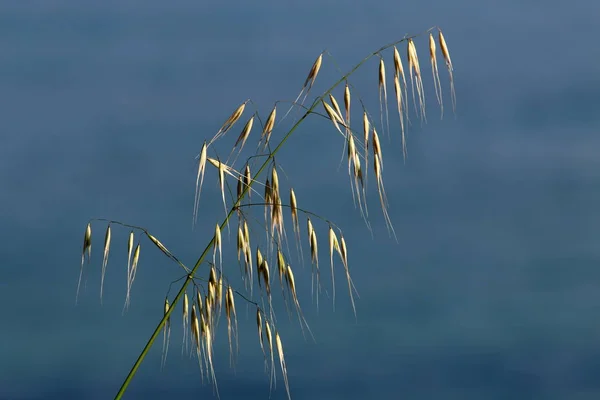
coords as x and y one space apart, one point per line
87 247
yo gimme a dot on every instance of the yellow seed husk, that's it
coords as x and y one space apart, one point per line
199 180
314 71
282 364
245 133
269 125
448 60
434 71
107 238
337 109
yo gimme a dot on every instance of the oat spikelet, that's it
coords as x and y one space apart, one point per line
292 288
268 128
199 181
282 364
343 252
231 329
399 71
314 254
336 108
260 334
217 247
167 335
185 315
270 343
382 195
196 336
222 184
105 258
335 119
383 94
347 104
241 140
415 69
366 128
248 179
230 121
296 224
333 245
434 71
314 71
87 247
308 83
448 60
131 277
398 92
377 148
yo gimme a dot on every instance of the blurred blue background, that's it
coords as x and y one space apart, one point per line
493 290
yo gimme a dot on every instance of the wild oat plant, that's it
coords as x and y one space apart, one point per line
206 293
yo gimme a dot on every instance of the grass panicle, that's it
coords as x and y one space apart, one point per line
262 240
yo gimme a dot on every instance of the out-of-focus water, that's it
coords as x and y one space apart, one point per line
493 290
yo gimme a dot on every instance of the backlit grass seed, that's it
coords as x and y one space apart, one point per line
282 364
268 128
87 247
448 60
199 180
383 94
107 238
398 92
434 71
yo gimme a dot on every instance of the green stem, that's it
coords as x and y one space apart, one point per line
190 276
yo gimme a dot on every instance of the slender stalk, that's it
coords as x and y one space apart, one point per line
206 251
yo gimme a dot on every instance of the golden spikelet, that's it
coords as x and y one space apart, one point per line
230 121
167 335
336 108
241 140
308 83
347 104
270 343
398 92
248 179
333 245
87 247
268 128
107 238
199 181
217 246
383 94
399 71
282 364
314 255
185 321
335 119
434 71
231 314
260 333
415 70
132 273
448 60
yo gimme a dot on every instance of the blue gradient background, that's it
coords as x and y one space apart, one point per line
493 290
